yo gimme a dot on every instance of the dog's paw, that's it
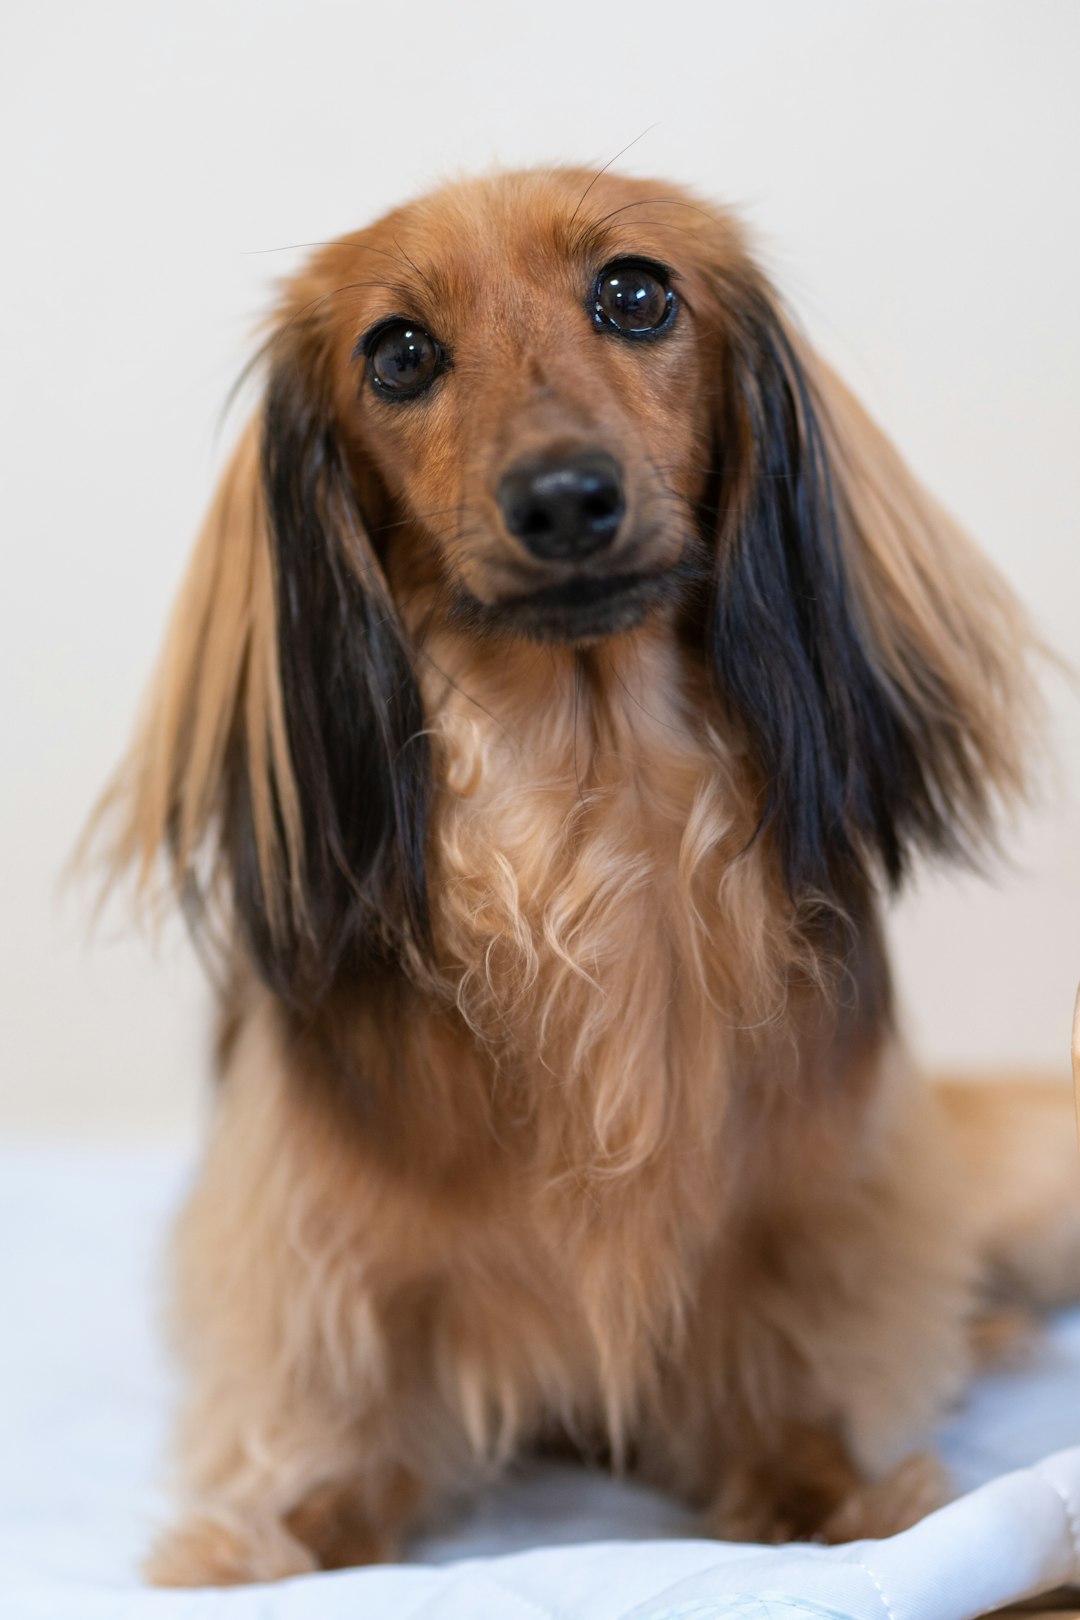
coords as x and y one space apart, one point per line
812 1492
221 1549
916 1487
786 1494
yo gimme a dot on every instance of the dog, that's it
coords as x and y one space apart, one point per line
566 672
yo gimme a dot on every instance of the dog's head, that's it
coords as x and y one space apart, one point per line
553 407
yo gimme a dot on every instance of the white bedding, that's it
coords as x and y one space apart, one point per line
82 1423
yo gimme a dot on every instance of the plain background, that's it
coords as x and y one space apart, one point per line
910 171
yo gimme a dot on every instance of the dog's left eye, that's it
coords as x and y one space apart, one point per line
633 297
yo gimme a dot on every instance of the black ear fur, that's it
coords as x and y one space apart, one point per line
848 770
353 715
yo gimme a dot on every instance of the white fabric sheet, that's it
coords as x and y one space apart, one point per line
84 1394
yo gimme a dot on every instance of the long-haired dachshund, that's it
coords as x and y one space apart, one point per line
566 668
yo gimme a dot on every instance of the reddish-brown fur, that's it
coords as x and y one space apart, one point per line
629 1158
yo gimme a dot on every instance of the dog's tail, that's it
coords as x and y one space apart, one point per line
1018 1151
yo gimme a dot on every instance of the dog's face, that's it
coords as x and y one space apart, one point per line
518 370
561 408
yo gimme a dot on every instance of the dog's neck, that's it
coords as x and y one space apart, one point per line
612 703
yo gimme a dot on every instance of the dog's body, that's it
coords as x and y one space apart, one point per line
560 1091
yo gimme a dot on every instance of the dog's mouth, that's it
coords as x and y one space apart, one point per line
584 608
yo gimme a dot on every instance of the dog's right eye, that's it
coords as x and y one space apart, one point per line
402 359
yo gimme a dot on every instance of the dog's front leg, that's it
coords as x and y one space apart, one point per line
293 1440
834 1332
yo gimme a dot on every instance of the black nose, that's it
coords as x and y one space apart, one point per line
568 507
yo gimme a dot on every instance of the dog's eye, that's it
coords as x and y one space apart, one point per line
402 359
633 297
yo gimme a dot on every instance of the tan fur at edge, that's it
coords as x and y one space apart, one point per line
931 600
1015 1143
217 679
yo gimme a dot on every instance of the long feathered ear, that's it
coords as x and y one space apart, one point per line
352 706
873 660
280 763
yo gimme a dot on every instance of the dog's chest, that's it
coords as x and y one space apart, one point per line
580 847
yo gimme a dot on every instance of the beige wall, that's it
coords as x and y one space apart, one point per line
911 173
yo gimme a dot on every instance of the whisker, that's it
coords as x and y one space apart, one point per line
347 247
578 680
267 346
609 664
424 277
420 648
244 376
648 130
414 517
667 202
324 298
